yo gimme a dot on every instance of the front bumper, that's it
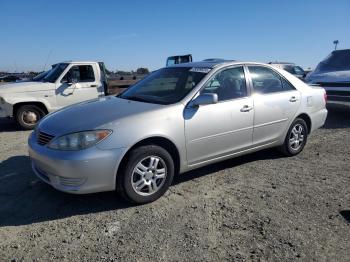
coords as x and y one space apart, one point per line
80 172
6 110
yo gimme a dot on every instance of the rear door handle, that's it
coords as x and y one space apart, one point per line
246 108
93 86
293 99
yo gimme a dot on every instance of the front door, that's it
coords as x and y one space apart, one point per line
216 130
80 83
275 103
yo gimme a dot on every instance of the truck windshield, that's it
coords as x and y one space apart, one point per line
54 73
40 76
166 86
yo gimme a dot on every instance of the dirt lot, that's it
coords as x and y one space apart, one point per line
257 207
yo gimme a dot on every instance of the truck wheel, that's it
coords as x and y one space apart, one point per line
295 139
27 116
147 174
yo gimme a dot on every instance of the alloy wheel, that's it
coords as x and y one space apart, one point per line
296 138
149 175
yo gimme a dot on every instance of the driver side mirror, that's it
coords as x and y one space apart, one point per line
205 99
69 79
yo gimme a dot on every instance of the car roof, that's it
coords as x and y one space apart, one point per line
281 63
215 63
78 62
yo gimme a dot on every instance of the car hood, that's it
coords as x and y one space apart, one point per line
336 76
22 87
99 113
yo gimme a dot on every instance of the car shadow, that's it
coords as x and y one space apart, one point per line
266 154
24 199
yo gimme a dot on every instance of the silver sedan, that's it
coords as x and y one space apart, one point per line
177 119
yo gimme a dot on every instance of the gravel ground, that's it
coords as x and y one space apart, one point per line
260 207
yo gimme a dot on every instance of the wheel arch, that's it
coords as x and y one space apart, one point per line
39 104
163 142
307 120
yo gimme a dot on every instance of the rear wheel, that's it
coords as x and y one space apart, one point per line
27 116
147 174
296 138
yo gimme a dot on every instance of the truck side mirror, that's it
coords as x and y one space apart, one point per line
69 79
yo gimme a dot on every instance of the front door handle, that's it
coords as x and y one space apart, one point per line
93 86
293 99
246 108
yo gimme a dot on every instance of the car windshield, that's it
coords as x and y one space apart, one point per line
166 86
55 72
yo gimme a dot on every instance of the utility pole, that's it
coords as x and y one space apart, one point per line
335 42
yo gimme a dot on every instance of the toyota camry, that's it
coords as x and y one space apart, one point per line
176 119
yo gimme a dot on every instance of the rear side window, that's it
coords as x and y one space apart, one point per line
286 85
267 81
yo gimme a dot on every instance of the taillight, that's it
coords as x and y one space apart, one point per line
325 97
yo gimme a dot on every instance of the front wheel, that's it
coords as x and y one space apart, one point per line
296 138
147 174
28 116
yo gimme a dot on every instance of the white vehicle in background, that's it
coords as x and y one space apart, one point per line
65 84
333 74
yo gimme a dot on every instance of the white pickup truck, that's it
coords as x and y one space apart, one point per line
65 84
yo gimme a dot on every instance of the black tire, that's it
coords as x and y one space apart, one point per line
126 174
288 149
20 119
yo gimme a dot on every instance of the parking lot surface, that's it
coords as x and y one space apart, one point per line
257 207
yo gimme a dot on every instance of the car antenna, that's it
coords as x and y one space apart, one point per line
47 59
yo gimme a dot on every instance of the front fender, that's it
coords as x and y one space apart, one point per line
14 100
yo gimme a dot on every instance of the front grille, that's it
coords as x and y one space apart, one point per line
44 138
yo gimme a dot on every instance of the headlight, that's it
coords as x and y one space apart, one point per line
80 140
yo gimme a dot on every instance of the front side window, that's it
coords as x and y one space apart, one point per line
166 86
79 74
227 84
266 81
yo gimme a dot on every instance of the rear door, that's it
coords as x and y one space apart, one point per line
275 103
216 130
79 83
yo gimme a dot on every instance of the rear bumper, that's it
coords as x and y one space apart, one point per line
79 172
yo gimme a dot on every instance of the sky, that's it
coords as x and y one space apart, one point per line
131 34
